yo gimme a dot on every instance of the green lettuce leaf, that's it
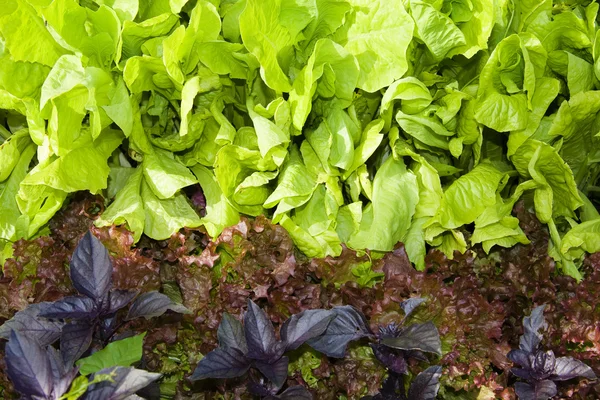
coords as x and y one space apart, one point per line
386 220
507 82
219 213
378 42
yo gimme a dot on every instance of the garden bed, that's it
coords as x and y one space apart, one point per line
476 301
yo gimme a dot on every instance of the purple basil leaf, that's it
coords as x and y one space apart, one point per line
260 389
424 337
392 388
348 325
28 366
522 373
409 305
126 382
106 327
75 340
231 333
416 354
28 323
118 299
62 375
91 269
521 357
391 359
72 307
567 368
276 372
304 326
222 362
153 304
531 338
260 334
426 385
542 390
296 393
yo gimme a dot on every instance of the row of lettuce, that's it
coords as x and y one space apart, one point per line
340 123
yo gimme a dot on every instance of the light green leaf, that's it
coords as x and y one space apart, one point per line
295 185
136 33
120 353
476 29
436 29
269 29
19 24
507 83
378 42
233 165
95 34
369 142
468 196
546 91
412 93
165 175
387 219
584 237
577 122
219 213
557 190
269 134
11 219
226 58
313 79
127 207
84 168
313 225
166 216
119 109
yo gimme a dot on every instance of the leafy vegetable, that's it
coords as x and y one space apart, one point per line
255 345
343 125
541 368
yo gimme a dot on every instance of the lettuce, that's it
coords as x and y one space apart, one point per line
342 124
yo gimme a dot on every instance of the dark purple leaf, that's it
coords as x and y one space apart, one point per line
304 326
276 372
72 307
126 382
416 354
231 333
260 334
522 373
348 325
541 390
75 340
426 385
543 364
531 338
106 327
28 366
91 268
62 375
567 368
296 393
391 359
409 305
521 357
222 362
424 337
392 388
152 304
118 299
26 322
260 389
